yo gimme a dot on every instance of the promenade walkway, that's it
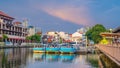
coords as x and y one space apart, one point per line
112 51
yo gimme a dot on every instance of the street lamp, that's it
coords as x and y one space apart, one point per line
110 30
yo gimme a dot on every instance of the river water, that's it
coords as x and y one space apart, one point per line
25 58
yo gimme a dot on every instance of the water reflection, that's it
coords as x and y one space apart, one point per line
93 60
25 58
38 57
108 63
13 58
67 57
53 57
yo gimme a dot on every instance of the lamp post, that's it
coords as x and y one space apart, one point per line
86 43
110 30
112 38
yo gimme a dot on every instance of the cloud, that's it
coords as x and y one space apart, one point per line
71 11
76 15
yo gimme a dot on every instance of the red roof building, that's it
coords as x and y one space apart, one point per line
16 34
5 15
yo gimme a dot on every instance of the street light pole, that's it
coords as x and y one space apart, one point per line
86 44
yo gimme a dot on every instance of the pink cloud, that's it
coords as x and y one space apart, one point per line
78 15
69 11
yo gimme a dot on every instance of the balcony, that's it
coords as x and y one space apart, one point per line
13 36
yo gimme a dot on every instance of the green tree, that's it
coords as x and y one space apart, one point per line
28 38
36 38
94 33
4 37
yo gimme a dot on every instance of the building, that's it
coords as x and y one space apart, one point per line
31 30
64 35
76 37
117 30
53 36
52 33
15 31
111 37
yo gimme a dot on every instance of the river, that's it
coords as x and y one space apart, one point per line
25 58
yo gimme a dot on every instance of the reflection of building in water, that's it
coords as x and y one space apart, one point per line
81 59
14 58
1 56
52 57
38 56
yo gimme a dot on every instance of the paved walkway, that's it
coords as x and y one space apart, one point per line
113 52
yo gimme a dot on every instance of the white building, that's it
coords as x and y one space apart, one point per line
31 30
62 35
15 32
52 33
76 37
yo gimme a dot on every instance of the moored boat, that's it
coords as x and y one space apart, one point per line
52 48
67 49
39 49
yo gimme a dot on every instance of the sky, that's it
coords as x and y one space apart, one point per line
64 15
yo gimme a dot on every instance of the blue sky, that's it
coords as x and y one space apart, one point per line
64 15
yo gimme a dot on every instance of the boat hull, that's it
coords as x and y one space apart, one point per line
67 50
52 49
38 50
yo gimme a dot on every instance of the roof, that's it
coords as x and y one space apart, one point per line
110 34
17 22
30 26
39 33
117 30
4 14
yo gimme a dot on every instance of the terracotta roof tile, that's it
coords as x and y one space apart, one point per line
17 22
4 14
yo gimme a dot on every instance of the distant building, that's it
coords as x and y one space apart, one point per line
117 30
14 30
62 35
31 30
65 36
112 37
53 36
76 37
25 23
39 33
83 31
52 33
